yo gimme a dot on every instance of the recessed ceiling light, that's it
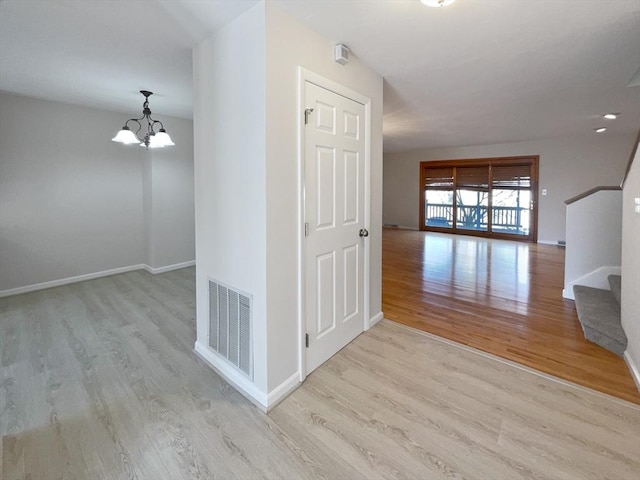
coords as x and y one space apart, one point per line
611 116
437 3
600 130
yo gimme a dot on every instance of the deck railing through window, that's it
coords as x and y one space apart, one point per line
475 217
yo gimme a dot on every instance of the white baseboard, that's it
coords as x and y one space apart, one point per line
283 390
169 268
68 280
233 377
264 401
375 319
633 369
595 279
91 276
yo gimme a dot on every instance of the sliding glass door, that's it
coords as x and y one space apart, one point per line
512 199
487 197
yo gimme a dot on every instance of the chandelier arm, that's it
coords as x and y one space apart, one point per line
137 120
156 121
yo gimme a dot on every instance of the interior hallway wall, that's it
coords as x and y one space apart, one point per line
315 53
246 157
230 191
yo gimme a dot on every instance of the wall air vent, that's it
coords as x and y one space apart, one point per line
230 322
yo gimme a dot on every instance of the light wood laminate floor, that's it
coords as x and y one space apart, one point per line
498 296
99 381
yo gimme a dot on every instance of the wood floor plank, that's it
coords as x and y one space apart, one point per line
500 297
102 383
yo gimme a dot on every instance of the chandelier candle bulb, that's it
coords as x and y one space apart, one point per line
151 139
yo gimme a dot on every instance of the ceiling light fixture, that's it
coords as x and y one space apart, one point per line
437 3
610 116
151 139
600 130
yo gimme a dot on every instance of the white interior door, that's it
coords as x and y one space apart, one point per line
335 215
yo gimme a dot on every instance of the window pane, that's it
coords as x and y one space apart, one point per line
511 212
438 208
472 210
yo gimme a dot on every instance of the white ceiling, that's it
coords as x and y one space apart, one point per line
101 53
476 72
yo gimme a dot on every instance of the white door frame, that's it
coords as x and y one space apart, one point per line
305 76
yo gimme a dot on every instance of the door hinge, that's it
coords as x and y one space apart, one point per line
306 340
307 112
306 229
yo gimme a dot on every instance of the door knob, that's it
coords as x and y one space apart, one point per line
363 232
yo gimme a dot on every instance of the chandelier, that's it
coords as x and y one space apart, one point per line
151 139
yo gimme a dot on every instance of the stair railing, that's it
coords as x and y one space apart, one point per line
633 155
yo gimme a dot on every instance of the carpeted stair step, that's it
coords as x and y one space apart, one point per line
615 282
599 315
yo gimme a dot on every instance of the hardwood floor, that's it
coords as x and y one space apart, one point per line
500 297
98 380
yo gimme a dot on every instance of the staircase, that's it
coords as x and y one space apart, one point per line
602 237
599 314
592 256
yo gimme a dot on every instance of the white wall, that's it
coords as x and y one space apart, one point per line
567 167
630 295
594 226
246 158
71 200
291 44
170 204
229 129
